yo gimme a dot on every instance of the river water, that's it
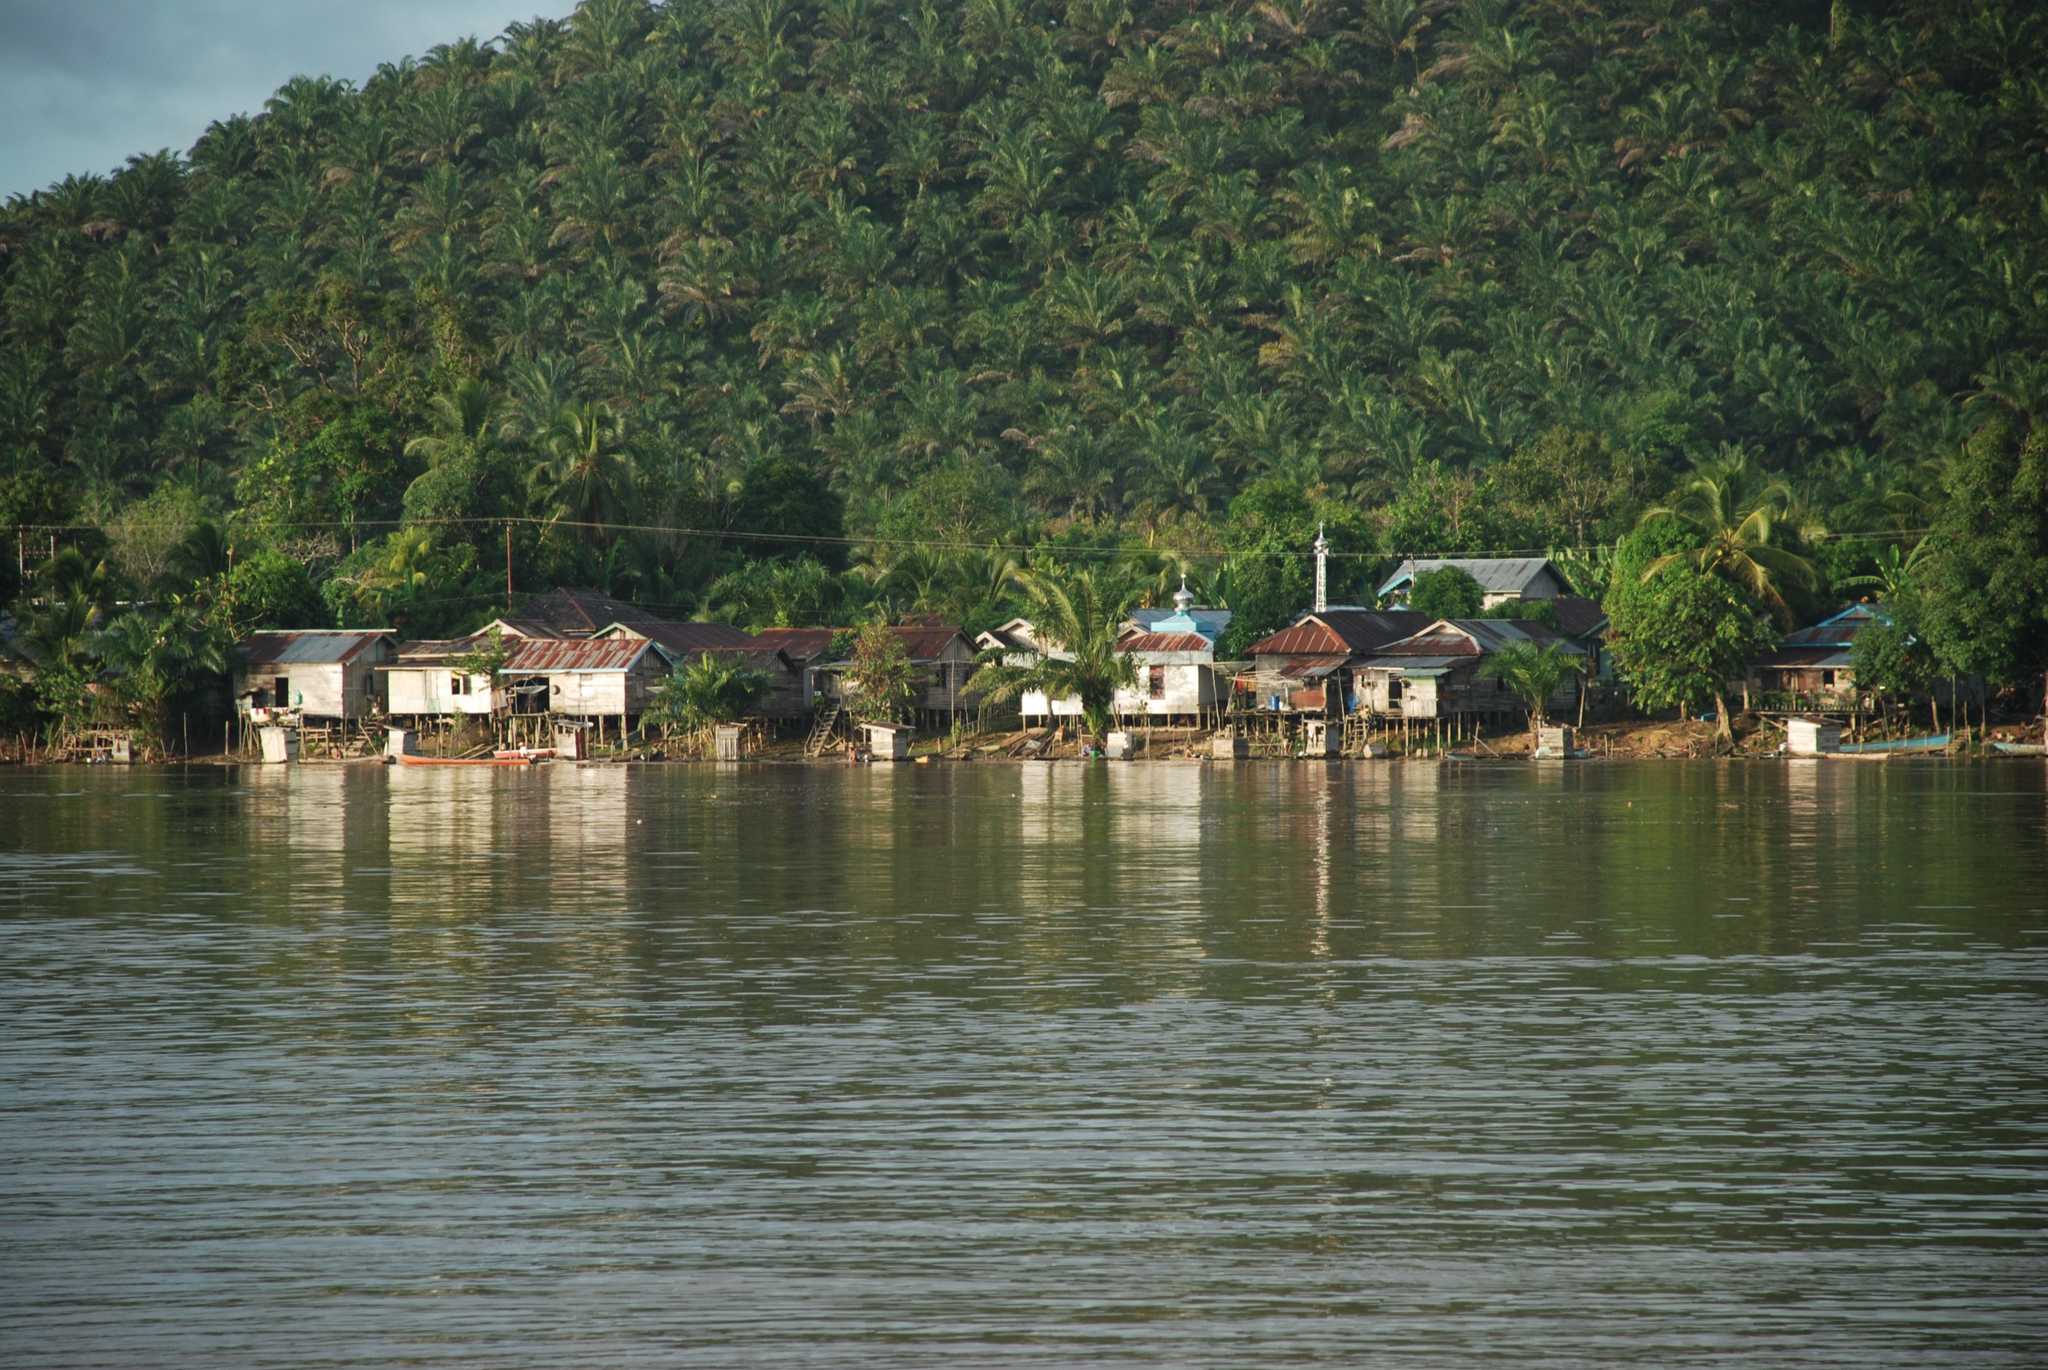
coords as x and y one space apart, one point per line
1398 1065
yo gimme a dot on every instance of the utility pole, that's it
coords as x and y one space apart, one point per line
1322 549
508 566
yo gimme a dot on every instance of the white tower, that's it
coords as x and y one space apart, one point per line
1322 570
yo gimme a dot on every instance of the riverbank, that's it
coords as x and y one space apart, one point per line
1756 737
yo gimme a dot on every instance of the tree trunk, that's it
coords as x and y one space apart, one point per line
1724 732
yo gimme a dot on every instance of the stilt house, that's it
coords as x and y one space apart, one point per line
315 673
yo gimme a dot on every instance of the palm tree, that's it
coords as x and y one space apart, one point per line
1737 518
1533 671
462 424
584 478
1077 614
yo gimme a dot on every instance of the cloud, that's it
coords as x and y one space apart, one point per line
85 84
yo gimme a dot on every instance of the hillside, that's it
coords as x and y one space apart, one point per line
1461 277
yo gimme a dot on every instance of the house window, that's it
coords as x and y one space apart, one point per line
1827 680
1156 683
281 692
458 684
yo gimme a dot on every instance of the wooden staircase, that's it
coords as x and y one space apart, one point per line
825 731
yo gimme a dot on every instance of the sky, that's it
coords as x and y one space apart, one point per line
84 84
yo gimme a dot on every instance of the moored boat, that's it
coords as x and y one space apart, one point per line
408 759
1933 743
2020 748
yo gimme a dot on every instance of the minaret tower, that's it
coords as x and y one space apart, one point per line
1322 570
1183 598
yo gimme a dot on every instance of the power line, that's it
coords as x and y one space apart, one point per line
960 545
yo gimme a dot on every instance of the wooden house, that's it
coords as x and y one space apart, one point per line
808 652
1018 643
685 643
574 613
1815 666
1435 673
1501 579
942 660
584 679
1306 667
316 673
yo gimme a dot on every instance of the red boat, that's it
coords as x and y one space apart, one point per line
407 759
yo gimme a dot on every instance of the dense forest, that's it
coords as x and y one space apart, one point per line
831 310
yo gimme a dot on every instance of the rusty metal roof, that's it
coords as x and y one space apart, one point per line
927 641
1167 642
799 644
684 638
581 613
307 646
1340 632
544 656
1577 616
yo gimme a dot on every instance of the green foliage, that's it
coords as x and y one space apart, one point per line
792 500
1680 637
1983 605
487 658
1077 614
1447 592
1890 659
1482 277
1533 671
270 589
880 682
709 690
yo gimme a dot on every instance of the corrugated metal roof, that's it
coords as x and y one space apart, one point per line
1312 667
1167 642
544 656
1805 658
925 641
1578 616
307 646
1417 665
1496 575
520 627
1449 646
1340 632
1838 630
800 644
581 613
685 638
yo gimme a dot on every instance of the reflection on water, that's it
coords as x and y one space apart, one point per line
1185 1064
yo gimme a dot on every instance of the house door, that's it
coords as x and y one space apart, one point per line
281 692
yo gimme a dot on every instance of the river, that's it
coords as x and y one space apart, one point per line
991 1065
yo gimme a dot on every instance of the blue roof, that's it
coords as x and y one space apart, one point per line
1210 623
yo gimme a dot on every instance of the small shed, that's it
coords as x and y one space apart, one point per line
1322 737
886 741
726 741
280 745
1555 743
1812 737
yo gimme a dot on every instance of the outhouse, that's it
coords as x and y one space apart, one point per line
886 741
